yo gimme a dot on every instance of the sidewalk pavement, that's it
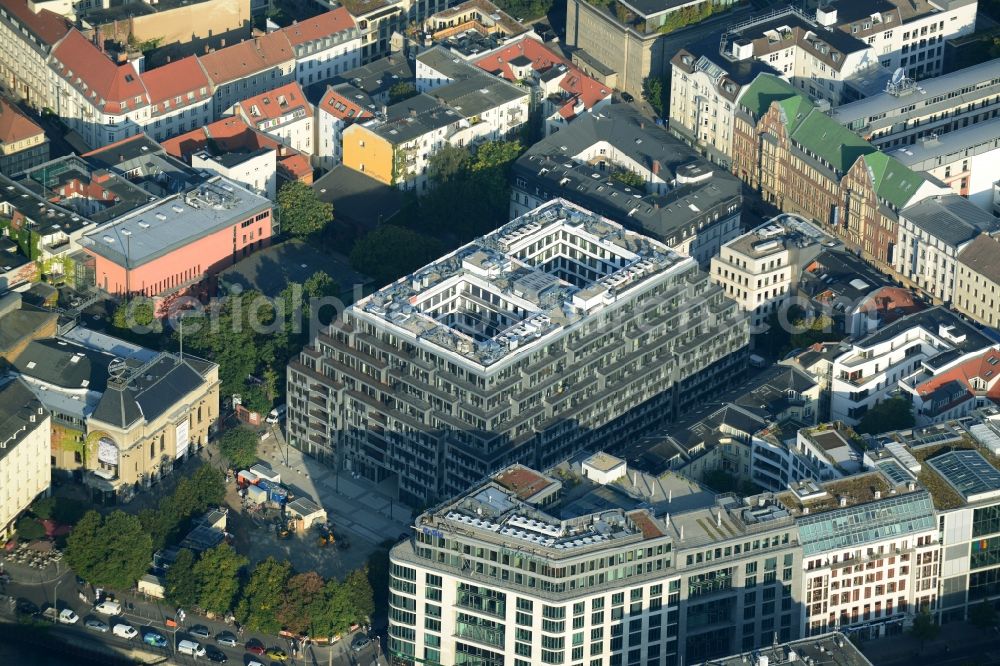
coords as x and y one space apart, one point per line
359 506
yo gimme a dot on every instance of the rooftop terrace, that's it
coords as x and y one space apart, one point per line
539 274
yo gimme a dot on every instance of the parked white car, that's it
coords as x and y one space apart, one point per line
108 608
125 631
66 616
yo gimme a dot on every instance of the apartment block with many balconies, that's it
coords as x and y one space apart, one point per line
556 331
610 566
917 346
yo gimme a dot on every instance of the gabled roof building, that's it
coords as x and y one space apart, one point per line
596 162
122 414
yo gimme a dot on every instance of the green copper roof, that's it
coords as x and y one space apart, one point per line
795 110
766 88
825 137
893 182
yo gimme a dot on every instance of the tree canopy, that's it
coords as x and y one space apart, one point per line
656 92
194 495
109 552
181 586
137 314
249 335
264 596
217 573
892 414
239 445
302 213
400 91
390 252
924 627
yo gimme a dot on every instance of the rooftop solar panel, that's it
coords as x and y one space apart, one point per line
894 472
968 473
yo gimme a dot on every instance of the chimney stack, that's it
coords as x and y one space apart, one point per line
656 167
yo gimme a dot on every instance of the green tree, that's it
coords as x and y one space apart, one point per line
218 574
321 285
892 414
239 445
263 596
629 178
208 484
181 584
136 314
983 615
113 552
360 596
924 627
305 597
29 529
401 91
447 163
302 213
390 252
655 93
818 328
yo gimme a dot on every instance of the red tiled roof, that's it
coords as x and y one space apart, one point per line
81 62
14 125
581 87
339 106
247 58
522 481
985 366
890 303
642 520
47 26
275 103
233 133
319 27
177 79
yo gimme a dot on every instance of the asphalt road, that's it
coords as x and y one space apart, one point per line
146 616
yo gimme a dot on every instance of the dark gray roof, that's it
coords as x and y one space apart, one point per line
20 414
982 255
358 198
149 394
413 118
378 77
951 218
855 10
64 364
932 320
837 271
548 170
740 72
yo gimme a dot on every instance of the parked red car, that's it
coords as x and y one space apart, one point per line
255 647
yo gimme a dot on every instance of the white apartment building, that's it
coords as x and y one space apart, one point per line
870 552
25 451
907 112
930 342
760 269
325 46
823 453
931 234
965 159
904 33
709 77
516 572
257 169
342 105
282 113
180 98
26 40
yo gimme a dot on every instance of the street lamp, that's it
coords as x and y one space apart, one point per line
55 601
